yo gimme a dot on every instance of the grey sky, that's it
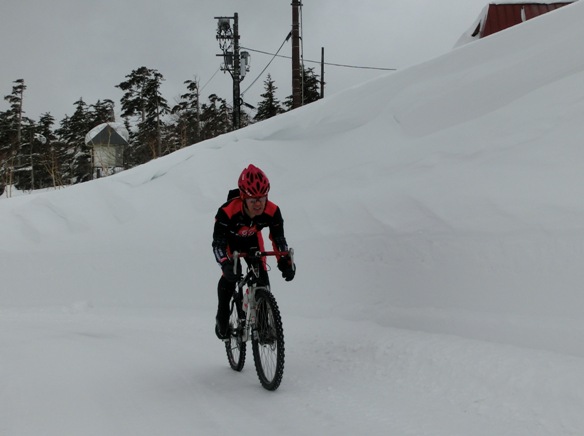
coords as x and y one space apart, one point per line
67 49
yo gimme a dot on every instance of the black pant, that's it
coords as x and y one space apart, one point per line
225 290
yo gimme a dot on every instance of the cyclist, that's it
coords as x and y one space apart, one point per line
238 226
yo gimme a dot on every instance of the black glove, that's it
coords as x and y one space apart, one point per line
227 268
287 267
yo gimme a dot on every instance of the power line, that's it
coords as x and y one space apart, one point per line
326 63
210 79
266 67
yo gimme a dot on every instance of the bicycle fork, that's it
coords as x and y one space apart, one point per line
247 305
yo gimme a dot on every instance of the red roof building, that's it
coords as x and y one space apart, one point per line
500 16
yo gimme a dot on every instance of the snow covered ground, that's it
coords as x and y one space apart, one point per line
438 223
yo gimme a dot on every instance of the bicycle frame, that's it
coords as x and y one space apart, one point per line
259 321
250 279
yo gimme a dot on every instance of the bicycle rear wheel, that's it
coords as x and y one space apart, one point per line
268 340
235 346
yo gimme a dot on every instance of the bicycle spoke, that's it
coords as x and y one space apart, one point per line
268 343
235 346
265 325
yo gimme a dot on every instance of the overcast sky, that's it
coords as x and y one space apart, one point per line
68 49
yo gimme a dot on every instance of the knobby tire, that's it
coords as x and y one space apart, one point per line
268 340
235 346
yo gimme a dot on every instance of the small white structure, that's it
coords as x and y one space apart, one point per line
108 142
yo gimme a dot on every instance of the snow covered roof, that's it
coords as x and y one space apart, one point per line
108 134
497 16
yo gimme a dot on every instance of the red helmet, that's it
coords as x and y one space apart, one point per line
253 182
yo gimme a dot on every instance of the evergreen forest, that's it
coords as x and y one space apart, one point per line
46 153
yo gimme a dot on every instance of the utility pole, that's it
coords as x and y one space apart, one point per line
322 72
296 73
229 39
236 75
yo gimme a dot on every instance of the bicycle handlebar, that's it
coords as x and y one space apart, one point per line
259 254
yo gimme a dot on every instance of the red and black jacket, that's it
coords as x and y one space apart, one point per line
235 231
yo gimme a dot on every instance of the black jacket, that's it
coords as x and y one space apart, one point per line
235 231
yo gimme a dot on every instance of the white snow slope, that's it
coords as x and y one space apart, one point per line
438 220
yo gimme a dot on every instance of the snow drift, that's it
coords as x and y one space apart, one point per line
445 198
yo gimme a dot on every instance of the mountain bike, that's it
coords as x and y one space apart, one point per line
255 316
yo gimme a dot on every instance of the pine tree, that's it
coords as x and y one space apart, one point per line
310 89
187 127
16 102
13 122
72 132
52 160
101 112
269 106
27 159
5 140
41 158
216 117
143 99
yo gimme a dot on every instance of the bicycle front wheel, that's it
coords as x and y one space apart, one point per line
235 345
268 340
